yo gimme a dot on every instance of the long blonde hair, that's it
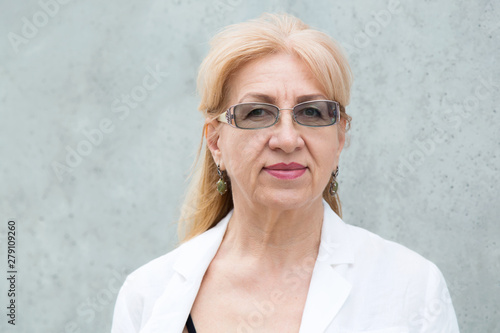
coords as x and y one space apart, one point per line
230 49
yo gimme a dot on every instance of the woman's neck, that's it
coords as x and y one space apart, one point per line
272 237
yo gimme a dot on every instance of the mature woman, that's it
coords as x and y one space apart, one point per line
265 249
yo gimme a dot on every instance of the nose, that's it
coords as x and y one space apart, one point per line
286 133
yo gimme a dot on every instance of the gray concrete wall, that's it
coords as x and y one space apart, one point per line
421 169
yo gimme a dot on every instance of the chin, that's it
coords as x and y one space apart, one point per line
285 199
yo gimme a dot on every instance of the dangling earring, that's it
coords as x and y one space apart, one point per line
221 184
334 186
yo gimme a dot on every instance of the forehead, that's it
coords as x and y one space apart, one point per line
274 78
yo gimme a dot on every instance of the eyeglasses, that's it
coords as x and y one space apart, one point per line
261 115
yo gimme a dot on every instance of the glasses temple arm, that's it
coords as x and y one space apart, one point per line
223 117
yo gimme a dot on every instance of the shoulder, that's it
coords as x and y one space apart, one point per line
140 291
400 266
152 275
389 264
143 287
414 283
367 250
399 280
368 246
402 277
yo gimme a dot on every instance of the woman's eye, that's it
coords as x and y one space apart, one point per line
256 113
311 112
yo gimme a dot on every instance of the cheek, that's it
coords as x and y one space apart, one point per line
242 150
324 151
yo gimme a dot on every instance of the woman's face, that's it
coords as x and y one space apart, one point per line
259 162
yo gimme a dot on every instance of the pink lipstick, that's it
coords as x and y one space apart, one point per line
286 171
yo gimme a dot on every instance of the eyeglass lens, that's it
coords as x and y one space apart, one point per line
260 115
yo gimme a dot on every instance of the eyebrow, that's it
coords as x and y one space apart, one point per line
256 97
259 97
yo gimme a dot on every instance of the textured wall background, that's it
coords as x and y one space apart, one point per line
75 76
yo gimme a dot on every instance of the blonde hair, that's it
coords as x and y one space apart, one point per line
230 49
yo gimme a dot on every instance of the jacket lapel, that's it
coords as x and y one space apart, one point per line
328 290
172 308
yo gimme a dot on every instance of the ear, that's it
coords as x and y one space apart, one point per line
212 136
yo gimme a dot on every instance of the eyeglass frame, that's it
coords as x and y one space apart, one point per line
228 115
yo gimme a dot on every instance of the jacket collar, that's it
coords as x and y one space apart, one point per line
327 292
336 243
196 255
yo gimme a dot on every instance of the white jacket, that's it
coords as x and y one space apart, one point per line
361 283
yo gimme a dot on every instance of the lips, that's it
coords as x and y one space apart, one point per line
286 171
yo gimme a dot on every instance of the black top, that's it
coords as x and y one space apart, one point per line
190 325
